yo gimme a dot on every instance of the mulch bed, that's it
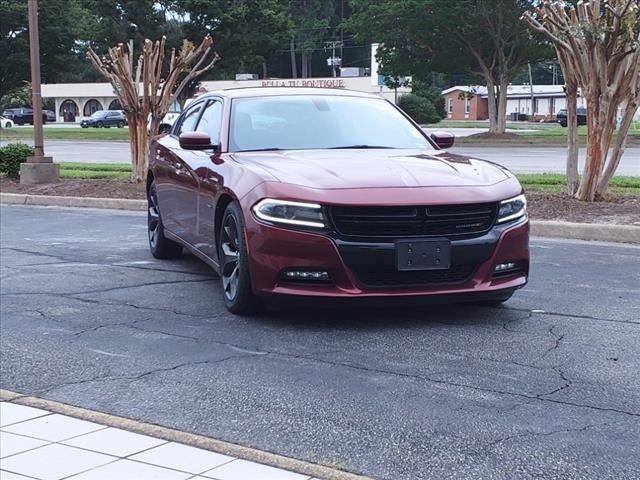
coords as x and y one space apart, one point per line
623 210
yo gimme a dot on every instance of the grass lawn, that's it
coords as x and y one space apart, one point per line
70 133
95 171
550 182
555 182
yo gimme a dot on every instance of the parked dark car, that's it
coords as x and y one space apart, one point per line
332 194
561 117
21 116
105 118
50 115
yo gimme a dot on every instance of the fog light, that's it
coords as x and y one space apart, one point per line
307 275
503 267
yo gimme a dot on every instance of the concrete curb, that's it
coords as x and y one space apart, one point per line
84 202
539 228
194 440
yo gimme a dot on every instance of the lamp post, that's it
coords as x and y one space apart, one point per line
38 168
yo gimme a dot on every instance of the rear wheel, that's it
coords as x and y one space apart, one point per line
234 264
121 124
160 246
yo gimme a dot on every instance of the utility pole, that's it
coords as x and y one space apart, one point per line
533 113
333 61
38 168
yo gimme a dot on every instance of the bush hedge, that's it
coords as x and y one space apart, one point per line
11 156
418 108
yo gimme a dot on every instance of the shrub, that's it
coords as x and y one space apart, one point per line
418 108
11 156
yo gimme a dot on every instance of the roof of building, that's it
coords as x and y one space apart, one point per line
513 91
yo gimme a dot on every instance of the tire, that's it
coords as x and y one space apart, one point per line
99 125
234 264
563 124
120 124
160 246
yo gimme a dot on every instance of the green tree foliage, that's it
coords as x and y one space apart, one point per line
419 108
246 33
11 156
477 37
61 23
17 97
312 20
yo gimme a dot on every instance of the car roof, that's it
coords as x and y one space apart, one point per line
270 91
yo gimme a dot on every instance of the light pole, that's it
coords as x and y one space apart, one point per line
38 168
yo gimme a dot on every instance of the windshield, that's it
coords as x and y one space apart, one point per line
297 122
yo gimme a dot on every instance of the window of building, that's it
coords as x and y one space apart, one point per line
467 106
451 105
91 107
115 105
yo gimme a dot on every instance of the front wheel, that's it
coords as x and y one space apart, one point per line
234 264
160 246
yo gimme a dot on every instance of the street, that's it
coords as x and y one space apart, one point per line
546 386
519 159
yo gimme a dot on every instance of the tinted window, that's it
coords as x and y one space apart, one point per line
320 121
211 121
190 119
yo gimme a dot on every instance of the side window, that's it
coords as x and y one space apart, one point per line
211 121
190 119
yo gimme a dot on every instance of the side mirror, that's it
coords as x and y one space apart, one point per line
443 139
196 141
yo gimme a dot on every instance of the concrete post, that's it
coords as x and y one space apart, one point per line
37 169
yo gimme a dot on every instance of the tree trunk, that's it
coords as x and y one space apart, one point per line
572 138
492 107
501 120
587 189
309 73
294 67
618 150
305 65
139 143
265 73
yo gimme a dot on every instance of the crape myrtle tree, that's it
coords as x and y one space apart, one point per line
598 47
149 90
478 37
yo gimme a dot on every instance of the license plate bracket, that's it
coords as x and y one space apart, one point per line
415 255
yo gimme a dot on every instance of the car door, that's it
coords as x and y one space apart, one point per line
176 181
207 167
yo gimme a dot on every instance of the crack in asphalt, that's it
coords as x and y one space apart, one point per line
132 378
558 340
111 289
548 434
63 260
566 315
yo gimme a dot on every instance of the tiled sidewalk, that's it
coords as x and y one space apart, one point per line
37 444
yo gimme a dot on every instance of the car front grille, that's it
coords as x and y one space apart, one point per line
413 221
389 277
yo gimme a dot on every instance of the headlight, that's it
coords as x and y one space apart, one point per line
290 213
512 208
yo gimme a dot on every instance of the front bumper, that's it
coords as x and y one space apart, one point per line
367 269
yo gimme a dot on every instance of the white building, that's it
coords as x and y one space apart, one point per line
77 100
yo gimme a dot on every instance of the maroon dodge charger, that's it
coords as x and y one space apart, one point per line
327 193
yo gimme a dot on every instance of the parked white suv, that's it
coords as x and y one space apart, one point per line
5 123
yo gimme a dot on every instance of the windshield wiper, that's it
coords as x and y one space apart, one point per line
270 149
346 147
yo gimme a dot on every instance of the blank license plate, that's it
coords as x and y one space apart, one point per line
423 255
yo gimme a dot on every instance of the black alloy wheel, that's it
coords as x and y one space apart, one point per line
99 125
160 246
234 264
120 124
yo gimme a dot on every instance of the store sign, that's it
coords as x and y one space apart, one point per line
322 83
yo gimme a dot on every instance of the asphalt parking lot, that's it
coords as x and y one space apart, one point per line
546 386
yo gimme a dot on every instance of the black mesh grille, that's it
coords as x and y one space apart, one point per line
399 222
388 277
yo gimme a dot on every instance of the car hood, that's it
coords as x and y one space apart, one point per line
380 168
